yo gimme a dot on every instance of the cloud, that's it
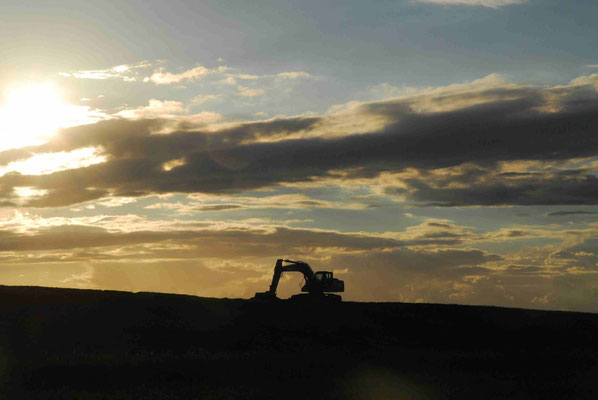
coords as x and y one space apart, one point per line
69 243
180 276
26 234
160 77
169 165
523 269
293 75
580 260
586 80
534 189
229 80
126 72
471 276
234 259
509 125
268 80
47 163
486 85
568 213
418 260
484 3
227 203
155 109
175 111
249 92
204 98
218 207
414 274
245 76
112 249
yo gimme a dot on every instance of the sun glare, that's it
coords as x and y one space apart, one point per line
48 163
30 114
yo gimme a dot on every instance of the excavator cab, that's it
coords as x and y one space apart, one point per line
323 276
323 281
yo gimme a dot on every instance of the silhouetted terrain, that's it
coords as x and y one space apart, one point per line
83 344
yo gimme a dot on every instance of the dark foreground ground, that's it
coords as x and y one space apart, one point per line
82 344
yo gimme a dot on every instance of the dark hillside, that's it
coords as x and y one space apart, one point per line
84 344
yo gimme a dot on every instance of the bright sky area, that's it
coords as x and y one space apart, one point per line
423 150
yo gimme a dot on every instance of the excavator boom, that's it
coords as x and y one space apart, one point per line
294 266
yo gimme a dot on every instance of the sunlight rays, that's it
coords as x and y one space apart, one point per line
31 113
47 163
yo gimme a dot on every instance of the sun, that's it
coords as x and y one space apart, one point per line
30 114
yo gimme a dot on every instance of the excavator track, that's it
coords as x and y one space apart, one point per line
311 299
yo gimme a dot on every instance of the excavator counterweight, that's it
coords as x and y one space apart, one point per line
317 285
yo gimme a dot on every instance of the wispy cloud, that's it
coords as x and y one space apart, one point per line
585 80
293 75
170 109
249 92
483 3
569 213
126 72
160 77
155 109
204 98
287 201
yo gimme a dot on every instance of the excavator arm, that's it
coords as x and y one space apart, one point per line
293 266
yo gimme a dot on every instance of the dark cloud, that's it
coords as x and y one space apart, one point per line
256 130
438 225
411 274
567 213
442 234
218 207
581 260
524 269
216 242
7 156
514 127
418 260
543 189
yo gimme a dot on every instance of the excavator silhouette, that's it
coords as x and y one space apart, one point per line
316 284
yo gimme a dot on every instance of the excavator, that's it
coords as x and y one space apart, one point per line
316 284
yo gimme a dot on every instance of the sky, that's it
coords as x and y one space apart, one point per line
440 151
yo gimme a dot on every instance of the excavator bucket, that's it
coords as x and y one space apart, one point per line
265 296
